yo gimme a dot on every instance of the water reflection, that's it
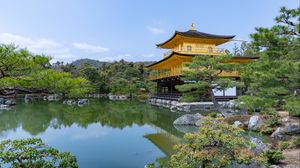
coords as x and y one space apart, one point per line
36 117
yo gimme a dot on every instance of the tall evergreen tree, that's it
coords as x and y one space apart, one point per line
274 80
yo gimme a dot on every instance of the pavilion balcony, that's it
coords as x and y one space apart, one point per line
178 71
198 50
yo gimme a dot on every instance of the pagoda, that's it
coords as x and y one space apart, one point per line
183 46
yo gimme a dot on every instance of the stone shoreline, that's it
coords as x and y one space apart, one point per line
178 106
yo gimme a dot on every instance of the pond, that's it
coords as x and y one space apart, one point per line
104 134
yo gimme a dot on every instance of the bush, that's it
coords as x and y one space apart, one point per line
283 145
33 152
296 141
274 156
216 144
213 114
293 107
265 129
272 117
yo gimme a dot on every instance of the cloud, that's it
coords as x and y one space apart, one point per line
90 48
56 50
119 57
91 134
156 30
149 55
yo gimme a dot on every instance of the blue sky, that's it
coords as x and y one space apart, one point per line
108 30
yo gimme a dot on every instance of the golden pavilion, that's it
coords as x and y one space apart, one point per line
183 46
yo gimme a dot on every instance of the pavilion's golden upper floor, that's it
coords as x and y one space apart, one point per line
185 45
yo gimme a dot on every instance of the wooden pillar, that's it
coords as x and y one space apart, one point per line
171 85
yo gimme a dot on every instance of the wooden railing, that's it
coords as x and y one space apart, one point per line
178 71
198 50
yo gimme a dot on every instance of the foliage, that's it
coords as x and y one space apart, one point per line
34 153
204 71
119 77
274 156
274 80
296 141
216 144
213 114
23 71
272 117
293 107
282 145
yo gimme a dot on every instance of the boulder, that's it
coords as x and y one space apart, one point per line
70 102
6 102
10 102
279 132
174 103
28 98
3 106
2 100
259 146
173 108
186 128
293 128
290 128
53 97
122 97
199 123
187 108
238 124
112 97
188 119
255 122
83 101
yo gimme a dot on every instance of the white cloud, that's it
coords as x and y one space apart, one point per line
39 46
119 57
155 30
90 48
149 55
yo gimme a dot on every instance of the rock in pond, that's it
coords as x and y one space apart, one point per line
186 128
188 119
2 100
70 102
6 102
255 122
83 102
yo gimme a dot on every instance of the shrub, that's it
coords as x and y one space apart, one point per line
274 156
33 152
213 114
296 141
216 144
272 117
265 129
283 145
293 107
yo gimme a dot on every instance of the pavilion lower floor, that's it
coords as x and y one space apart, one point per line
166 89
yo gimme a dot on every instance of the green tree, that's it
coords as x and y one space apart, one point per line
35 154
203 73
23 71
274 80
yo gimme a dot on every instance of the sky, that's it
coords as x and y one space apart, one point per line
109 30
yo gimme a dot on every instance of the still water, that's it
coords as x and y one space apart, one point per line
104 134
